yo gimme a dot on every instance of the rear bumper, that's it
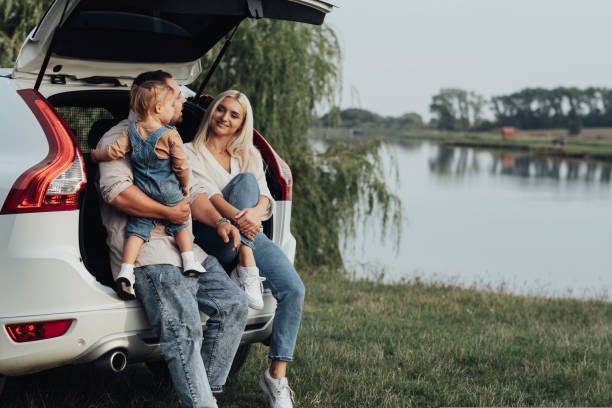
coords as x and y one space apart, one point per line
93 334
42 278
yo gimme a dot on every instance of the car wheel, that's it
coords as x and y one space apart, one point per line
2 383
240 358
159 369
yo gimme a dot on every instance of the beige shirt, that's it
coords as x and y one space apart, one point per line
169 145
116 176
207 172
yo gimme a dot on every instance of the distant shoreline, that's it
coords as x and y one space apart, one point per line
594 144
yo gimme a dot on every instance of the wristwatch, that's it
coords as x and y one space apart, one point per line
222 220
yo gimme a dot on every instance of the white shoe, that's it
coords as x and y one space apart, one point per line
124 284
278 391
248 279
192 268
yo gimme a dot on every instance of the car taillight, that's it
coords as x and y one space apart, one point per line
54 183
22 332
279 168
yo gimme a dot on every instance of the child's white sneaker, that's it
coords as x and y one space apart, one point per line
124 284
278 391
248 279
191 267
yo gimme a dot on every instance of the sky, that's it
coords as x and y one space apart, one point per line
399 53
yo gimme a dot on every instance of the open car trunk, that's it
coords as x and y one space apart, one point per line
90 40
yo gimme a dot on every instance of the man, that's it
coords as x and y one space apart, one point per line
198 364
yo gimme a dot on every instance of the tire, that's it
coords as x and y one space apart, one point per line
240 358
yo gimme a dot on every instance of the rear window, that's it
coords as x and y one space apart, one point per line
115 31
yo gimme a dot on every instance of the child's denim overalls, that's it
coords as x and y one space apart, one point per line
155 177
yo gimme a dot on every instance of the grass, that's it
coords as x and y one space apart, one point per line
365 344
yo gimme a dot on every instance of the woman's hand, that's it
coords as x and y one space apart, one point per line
248 222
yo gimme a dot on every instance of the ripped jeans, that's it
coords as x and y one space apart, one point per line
198 363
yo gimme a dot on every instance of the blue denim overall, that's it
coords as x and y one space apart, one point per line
155 177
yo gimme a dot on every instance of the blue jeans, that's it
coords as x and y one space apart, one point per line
282 279
142 226
198 364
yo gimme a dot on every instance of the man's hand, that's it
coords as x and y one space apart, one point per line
179 214
227 231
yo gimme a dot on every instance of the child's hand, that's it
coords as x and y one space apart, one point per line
185 191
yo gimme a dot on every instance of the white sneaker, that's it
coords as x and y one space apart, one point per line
247 278
192 268
124 284
278 391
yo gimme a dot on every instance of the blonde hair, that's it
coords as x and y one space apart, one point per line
145 96
241 145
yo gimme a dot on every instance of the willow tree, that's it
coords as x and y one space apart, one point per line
286 69
17 18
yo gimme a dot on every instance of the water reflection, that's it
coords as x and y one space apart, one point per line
457 161
523 224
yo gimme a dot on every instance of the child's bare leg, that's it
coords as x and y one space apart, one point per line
131 249
184 241
125 280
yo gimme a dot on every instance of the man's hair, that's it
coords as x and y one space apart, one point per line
159 76
145 96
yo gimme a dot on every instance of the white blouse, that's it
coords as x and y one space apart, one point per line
209 173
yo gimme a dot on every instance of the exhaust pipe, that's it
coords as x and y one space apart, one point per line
116 360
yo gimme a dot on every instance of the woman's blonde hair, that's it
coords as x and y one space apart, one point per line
241 145
145 96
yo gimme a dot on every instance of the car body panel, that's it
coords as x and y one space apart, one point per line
42 271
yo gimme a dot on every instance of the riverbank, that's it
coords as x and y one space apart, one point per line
592 144
364 344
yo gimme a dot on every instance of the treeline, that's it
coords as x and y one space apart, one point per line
355 118
457 109
539 108
530 108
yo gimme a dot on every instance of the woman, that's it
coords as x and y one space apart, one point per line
224 160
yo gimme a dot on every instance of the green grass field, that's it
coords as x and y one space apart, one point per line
364 344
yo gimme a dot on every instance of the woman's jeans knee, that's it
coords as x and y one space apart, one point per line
241 192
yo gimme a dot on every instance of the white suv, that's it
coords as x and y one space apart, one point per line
57 306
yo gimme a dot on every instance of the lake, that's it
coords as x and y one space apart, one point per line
491 220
